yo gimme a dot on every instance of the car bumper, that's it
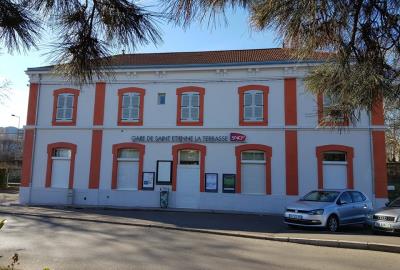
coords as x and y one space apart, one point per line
385 226
304 219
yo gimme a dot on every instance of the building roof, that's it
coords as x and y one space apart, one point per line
208 58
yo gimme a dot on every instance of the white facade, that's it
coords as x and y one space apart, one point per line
221 117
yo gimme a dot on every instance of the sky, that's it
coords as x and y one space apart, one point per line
235 34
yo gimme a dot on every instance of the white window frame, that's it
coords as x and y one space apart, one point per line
190 107
65 107
131 107
253 106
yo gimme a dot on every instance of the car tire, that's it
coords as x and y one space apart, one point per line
332 224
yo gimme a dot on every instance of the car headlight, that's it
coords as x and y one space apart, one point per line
316 212
370 216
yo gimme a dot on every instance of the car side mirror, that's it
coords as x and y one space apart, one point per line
387 203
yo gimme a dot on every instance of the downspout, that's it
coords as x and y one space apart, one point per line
34 138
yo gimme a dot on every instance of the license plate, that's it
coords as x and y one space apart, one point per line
295 216
383 225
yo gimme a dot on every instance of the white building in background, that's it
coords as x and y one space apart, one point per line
222 130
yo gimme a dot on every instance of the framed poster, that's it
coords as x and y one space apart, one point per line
211 182
228 183
164 172
148 180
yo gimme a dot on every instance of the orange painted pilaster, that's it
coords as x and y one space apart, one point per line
292 185
290 102
27 158
379 157
98 116
95 160
32 104
377 113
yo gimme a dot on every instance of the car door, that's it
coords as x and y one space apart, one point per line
360 208
345 208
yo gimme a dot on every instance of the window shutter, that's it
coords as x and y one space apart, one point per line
194 113
135 113
60 113
258 112
247 99
69 101
68 113
195 100
258 99
185 101
125 101
185 113
135 100
248 112
125 113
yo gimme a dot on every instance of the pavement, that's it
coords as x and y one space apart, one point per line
264 227
73 244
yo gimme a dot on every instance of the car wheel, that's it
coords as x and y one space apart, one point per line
332 224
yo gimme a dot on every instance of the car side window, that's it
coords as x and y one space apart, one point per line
356 196
345 198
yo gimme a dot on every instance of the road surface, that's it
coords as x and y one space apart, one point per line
67 244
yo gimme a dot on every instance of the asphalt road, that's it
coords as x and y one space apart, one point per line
66 244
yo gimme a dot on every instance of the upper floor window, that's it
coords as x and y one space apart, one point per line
65 107
253 105
161 98
130 106
329 114
190 106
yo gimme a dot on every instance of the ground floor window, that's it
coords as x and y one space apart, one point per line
335 170
128 168
335 166
253 172
253 169
60 165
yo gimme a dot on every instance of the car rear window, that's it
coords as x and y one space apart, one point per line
321 196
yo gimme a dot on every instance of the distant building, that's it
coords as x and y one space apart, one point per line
11 141
222 130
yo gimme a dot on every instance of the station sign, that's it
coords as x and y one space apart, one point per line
231 138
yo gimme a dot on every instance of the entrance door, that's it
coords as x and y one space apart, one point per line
188 179
335 170
61 161
253 172
128 169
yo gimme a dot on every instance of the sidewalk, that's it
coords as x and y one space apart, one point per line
267 227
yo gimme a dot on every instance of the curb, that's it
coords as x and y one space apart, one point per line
296 240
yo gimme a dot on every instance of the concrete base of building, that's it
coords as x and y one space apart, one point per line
133 198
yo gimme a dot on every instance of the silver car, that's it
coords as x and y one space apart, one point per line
386 219
329 208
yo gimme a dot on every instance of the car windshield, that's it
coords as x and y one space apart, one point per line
321 196
395 203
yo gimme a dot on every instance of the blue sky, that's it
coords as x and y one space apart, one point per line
236 34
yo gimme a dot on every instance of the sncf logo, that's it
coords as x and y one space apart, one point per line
237 137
